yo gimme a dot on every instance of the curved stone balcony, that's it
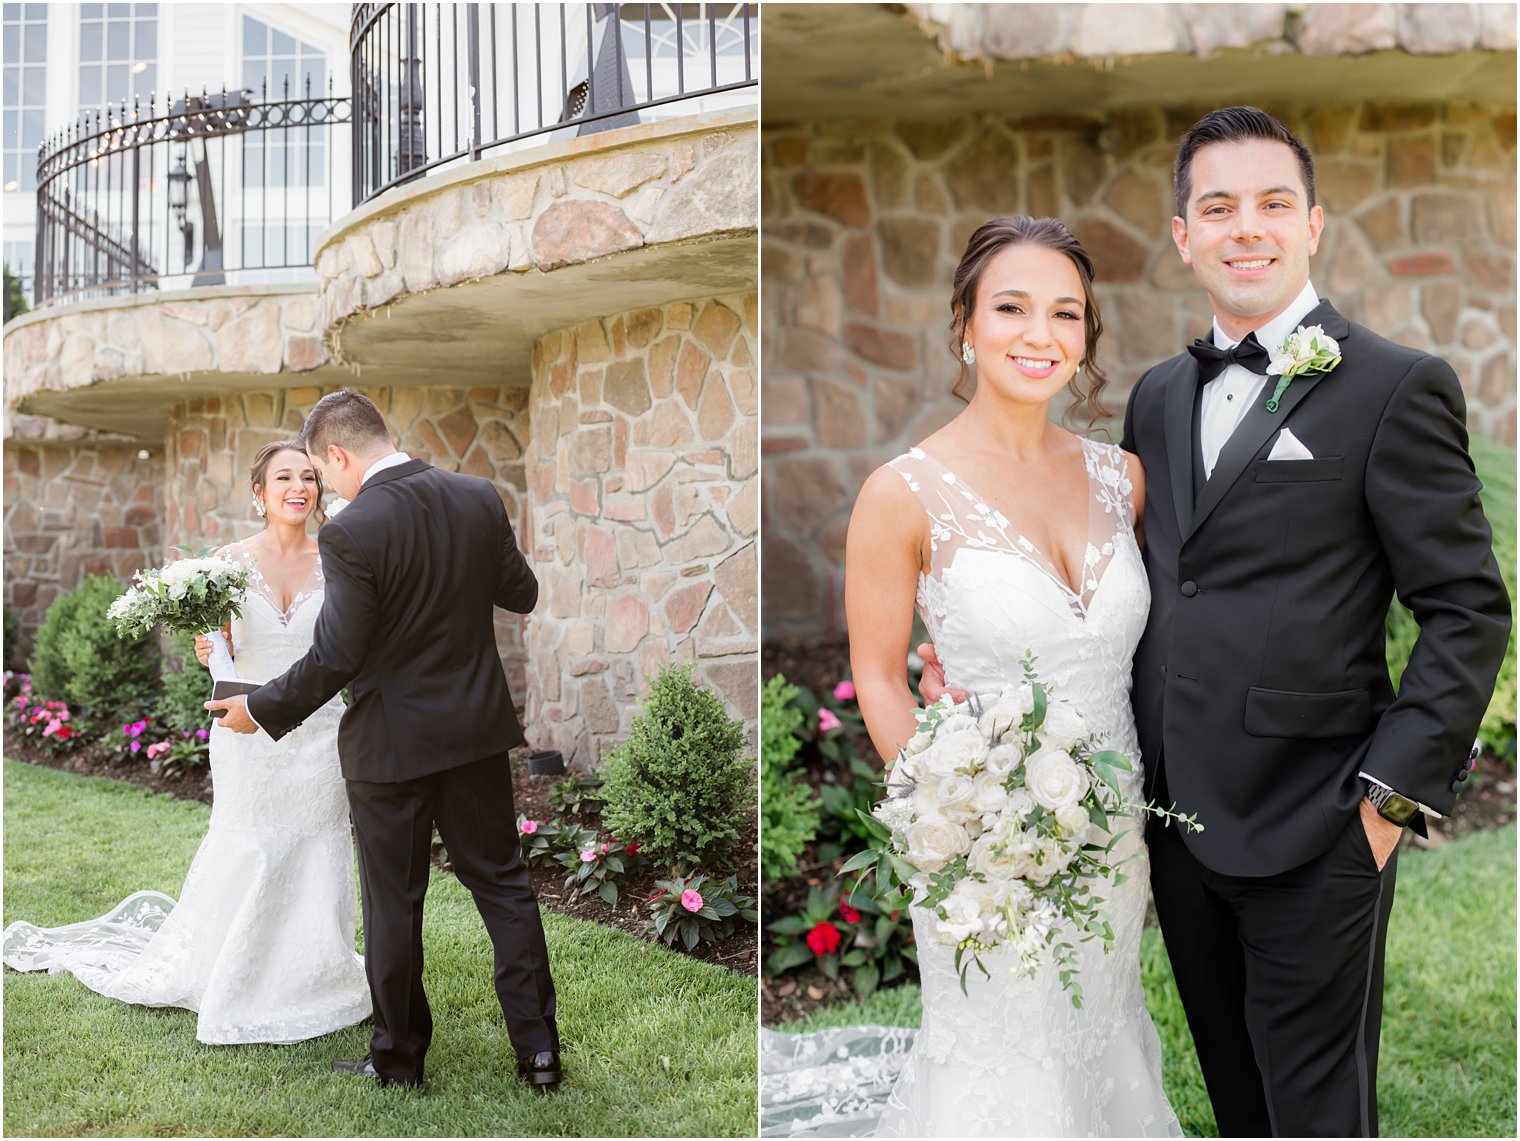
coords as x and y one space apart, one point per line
452 279
448 281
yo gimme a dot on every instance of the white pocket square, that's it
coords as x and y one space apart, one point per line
1289 447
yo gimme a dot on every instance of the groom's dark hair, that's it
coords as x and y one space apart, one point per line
345 418
1235 125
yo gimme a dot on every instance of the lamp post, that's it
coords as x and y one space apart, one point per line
179 201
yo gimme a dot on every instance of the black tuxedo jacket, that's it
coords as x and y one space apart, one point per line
413 567
1260 683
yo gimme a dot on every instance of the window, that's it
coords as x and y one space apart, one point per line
276 67
118 54
25 92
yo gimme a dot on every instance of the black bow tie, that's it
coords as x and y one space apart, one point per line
1212 360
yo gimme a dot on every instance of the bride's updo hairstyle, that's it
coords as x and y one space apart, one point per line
258 473
990 239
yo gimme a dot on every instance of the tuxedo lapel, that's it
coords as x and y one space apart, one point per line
1259 425
1177 418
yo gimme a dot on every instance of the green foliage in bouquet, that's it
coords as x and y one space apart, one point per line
789 811
79 656
1496 468
696 910
185 687
680 783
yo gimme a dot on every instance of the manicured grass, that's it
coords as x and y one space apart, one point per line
1447 1065
655 1043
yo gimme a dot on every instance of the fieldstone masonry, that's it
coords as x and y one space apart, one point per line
210 444
645 508
72 511
863 223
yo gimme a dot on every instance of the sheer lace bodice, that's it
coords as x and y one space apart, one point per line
1011 1056
261 942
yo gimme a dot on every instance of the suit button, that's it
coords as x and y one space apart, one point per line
1189 588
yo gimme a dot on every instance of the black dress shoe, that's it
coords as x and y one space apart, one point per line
365 1068
541 1070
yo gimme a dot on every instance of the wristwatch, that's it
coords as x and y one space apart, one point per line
1391 806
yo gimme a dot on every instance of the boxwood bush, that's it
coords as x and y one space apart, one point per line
78 656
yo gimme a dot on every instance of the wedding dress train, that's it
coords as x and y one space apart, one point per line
261 942
1011 1056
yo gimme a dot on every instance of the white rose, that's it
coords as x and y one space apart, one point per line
958 751
918 743
1063 727
338 504
962 918
988 794
1054 779
896 812
1074 822
934 841
954 790
1006 712
956 722
1002 759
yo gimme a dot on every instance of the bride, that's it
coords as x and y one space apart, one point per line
261 942
1010 535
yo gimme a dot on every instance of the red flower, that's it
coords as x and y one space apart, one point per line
633 849
824 939
848 913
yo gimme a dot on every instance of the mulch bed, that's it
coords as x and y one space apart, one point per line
738 953
1488 802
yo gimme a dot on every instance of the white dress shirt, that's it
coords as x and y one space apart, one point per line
1228 397
395 459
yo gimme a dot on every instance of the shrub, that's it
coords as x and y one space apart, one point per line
680 783
79 655
696 910
789 812
180 706
12 645
1496 468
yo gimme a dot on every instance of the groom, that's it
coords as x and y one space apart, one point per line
413 568
1279 523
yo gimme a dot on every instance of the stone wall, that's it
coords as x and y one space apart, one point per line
75 510
210 443
645 509
863 223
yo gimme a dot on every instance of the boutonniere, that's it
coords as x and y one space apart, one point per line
1306 349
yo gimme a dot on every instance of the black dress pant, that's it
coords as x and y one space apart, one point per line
1282 981
472 806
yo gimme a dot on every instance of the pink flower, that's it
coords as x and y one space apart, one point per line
827 720
529 827
691 900
604 847
845 691
154 751
203 734
136 745
588 856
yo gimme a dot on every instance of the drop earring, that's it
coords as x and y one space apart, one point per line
258 507
968 354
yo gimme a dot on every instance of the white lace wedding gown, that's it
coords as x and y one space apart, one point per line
261 942
1011 1057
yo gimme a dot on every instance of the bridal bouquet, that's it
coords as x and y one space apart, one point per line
195 595
998 816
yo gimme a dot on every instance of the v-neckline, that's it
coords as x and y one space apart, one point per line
263 588
1043 562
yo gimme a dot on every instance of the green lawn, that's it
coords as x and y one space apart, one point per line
655 1043
1447 1064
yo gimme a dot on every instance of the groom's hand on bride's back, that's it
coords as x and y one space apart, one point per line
931 686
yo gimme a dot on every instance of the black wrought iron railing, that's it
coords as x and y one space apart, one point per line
441 83
215 188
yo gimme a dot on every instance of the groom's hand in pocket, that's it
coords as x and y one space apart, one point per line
1383 836
931 686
